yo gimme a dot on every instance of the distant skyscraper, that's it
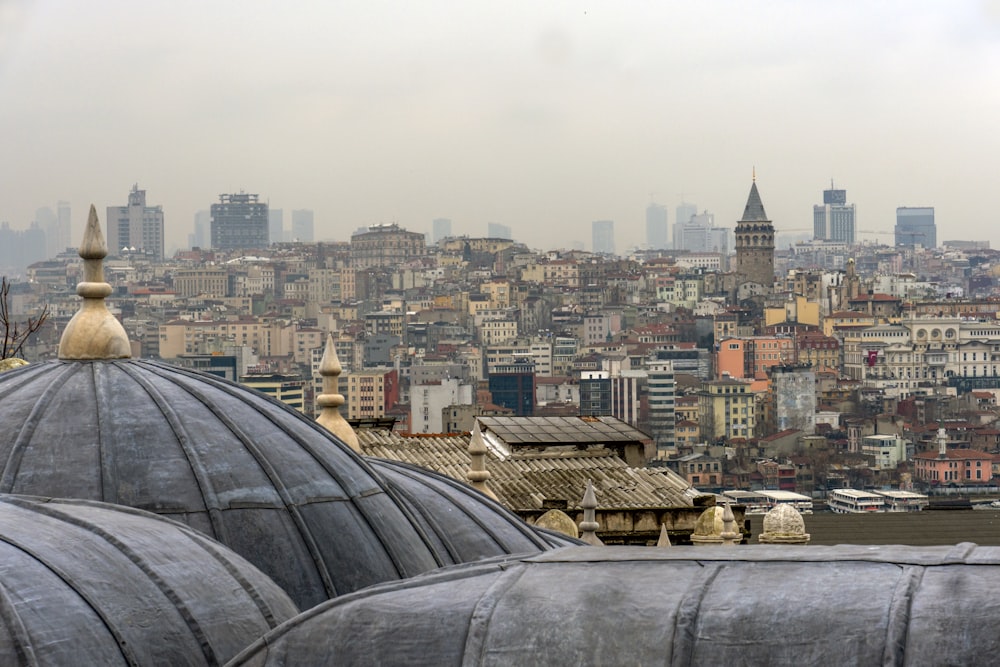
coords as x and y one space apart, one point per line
202 230
495 230
275 225
603 237
62 235
684 212
699 234
136 225
834 220
440 229
302 225
915 226
755 243
239 221
656 226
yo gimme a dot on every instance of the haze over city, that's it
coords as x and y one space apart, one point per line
541 118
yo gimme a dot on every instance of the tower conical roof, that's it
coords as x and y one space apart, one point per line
754 211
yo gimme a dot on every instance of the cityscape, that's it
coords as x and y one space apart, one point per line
530 334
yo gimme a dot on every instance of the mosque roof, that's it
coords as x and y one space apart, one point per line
222 458
679 605
85 583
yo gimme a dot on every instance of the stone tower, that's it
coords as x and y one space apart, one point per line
755 243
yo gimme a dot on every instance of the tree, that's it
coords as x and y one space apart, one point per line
16 334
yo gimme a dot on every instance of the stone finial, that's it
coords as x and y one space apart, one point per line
664 540
94 333
730 535
330 400
558 521
709 527
478 474
589 525
783 524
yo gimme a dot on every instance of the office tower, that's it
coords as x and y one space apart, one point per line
755 243
603 237
202 230
495 230
915 226
239 221
302 226
699 234
656 227
275 225
684 211
20 248
834 220
61 236
135 226
661 388
440 229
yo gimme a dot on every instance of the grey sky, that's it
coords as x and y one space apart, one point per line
540 116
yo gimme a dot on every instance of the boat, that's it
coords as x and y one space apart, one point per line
760 502
852 501
903 501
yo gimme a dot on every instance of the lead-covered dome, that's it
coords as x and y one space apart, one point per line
84 583
752 605
222 458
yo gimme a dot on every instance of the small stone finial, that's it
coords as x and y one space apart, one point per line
589 525
730 536
709 527
558 521
93 332
664 540
478 474
783 524
330 400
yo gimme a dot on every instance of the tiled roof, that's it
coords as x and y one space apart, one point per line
524 481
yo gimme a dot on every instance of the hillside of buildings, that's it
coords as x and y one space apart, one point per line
839 373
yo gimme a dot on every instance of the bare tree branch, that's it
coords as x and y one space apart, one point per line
14 336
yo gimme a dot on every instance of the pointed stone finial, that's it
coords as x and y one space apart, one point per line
730 536
478 474
330 400
664 540
589 525
93 332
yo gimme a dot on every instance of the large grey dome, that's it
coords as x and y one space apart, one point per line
84 583
465 524
222 458
759 605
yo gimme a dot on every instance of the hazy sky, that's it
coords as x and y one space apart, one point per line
543 116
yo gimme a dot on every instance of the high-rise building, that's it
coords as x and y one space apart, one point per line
495 230
239 221
656 226
603 237
201 238
302 225
755 243
684 211
699 234
661 388
275 225
136 225
915 226
440 229
61 235
834 219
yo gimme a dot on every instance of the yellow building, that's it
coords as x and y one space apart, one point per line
726 409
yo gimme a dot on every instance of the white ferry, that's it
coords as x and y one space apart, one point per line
903 501
852 501
759 502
